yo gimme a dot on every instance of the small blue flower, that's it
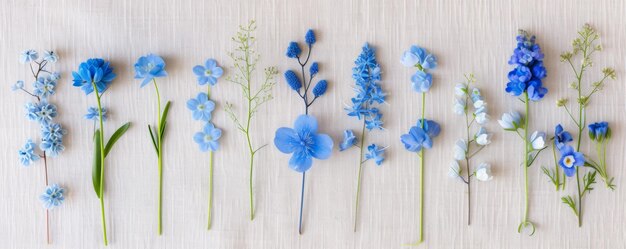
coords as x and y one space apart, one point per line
44 86
535 89
309 38
421 135
201 107
53 196
570 159
149 67
418 57
92 114
293 50
210 72
28 55
304 142
52 131
207 138
292 80
52 146
27 153
93 71
599 131
320 88
314 69
41 112
376 153
561 136
374 122
349 140
421 81
50 56
18 85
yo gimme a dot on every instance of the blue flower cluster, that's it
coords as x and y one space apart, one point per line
421 135
420 58
95 71
529 70
599 131
53 196
202 107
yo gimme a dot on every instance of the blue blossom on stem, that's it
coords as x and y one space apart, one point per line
41 112
570 159
209 73
367 76
320 88
149 67
53 196
376 153
52 145
293 50
27 153
292 80
92 114
599 131
303 142
44 86
207 138
420 136
348 141
561 136
52 131
529 69
309 38
511 121
93 71
19 85
28 56
201 107
418 57
421 81
50 56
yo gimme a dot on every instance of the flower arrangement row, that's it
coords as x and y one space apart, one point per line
305 140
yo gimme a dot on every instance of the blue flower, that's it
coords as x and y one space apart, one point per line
374 122
529 70
293 50
18 85
53 196
93 71
292 80
367 76
28 55
207 138
41 112
53 146
201 107
599 131
50 56
210 72
535 90
149 67
27 153
309 38
421 135
418 57
561 136
52 131
314 69
304 142
421 81
349 140
44 87
511 121
570 159
92 114
320 88
376 153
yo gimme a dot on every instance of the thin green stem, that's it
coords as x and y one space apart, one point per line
160 157
421 196
210 188
581 127
556 169
358 185
104 225
467 163
526 147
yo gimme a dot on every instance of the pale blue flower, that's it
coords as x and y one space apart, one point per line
349 140
53 196
149 67
421 135
210 72
41 112
50 56
482 137
201 107
28 55
52 131
418 57
538 140
421 81
207 138
27 153
52 146
18 85
92 114
304 142
511 121
570 159
460 89
376 153
44 87
460 150
459 106
483 172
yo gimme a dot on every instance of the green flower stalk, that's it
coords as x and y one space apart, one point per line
245 60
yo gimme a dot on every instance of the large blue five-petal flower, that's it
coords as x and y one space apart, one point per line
304 142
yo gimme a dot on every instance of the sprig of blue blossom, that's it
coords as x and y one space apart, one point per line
303 141
364 106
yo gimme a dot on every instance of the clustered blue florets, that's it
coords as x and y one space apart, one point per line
369 93
202 106
529 70
420 58
94 71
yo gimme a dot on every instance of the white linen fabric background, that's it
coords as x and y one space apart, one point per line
466 36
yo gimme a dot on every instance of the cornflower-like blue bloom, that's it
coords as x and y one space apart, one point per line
41 112
376 153
27 153
50 56
421 135
201 107
561 136
44 86
149 67
52 131
207 138
349 140
367 76
28 55
309 38
304 142
570 159
599 131
53 196
93 71
529 70
293 50
209 73
92 114
52 146
18 85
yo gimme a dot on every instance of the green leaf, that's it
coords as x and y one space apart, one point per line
154 143
163 130
163 121
97 163
550 173
588 180
570 202
116 136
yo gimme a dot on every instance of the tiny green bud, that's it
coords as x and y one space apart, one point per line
561 102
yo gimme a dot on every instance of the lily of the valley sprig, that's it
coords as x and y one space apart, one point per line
147 69
466 148
245 60
303 141
43 112
525 84
420 136
96 76
202 108
571 158
369 94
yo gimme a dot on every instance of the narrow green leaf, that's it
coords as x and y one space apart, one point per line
116 136
570 202
163 130
166 110
154 143
97 163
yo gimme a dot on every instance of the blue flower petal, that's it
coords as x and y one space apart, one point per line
305 123
322 146
287 140
300 161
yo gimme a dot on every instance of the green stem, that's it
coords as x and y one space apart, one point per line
104 225
358 185
556 169
160 157
421 169
526 147
467 164
210 188
581 127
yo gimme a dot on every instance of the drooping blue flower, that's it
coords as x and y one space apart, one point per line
209 73
149 67
529 70
93 71
292 80
50 56
309 38
18 85
27 153
561 136
53 196
41 112
599 131
421 81
44 86
418 57
570 159
293 50
52 146
201 107
421 135
92 114
304 142
207 138
320 88
52 131
376 153
314 69
349 140
28 55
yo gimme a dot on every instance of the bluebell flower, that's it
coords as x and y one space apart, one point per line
561 136
599 131
320 88
18 85
349 140
52 146
41 112
538 140
376 153
292 80
421 136
418 57
314 69
304 142
53 196
570 159
92 114
529 70
309 38
207 138
50 56
201 107
482 137
209 73
421 81
44 87
511 121
27 153
52 131
293 50
93 71
28 55
460 89
149 67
